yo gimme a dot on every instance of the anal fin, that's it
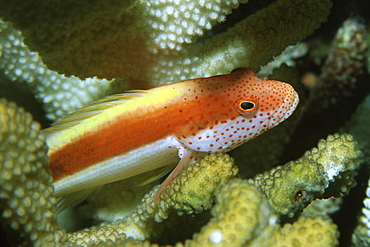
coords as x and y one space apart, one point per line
65 201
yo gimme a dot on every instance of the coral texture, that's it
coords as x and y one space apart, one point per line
59 94
66 53
108 43
361 235
234 219
24 180
128 43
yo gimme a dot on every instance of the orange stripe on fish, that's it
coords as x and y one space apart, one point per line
124 135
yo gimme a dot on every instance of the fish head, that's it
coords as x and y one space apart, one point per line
243 107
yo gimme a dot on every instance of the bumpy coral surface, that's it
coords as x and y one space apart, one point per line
291 187
66 53
25 179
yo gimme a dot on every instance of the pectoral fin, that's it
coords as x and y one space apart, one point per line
189 157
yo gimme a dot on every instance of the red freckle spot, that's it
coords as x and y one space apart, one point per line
243 120
193 134
227 129
261 122
250 133
245 136
222 134
216 122
199 138
230 135
223 121
184 98
207 136
190 143
250 120
211 128
217 139
219 148
261 114
237 122
254 126
169 146
211 145
254 116
226 143
183 136
198 148
264 125
235 132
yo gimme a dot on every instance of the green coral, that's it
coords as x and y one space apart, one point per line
191 192
242 215
291 187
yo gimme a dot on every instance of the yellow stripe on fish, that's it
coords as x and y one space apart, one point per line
124 135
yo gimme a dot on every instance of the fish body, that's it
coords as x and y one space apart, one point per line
124 135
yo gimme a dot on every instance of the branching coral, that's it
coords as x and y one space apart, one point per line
190 192
342 66
361 235
25 179
59 94
121 44
129 39
134 43
292 187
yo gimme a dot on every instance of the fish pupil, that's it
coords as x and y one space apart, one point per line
246 105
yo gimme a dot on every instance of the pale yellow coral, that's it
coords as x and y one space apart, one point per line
59 94
139 40
27 204
338 153
240 215
191 192
361 235
317 231
91 42
291 187
194 189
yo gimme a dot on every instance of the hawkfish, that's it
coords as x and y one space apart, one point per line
174 125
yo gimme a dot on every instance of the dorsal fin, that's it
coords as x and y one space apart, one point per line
92 109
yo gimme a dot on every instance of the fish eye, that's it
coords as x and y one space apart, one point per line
245 106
